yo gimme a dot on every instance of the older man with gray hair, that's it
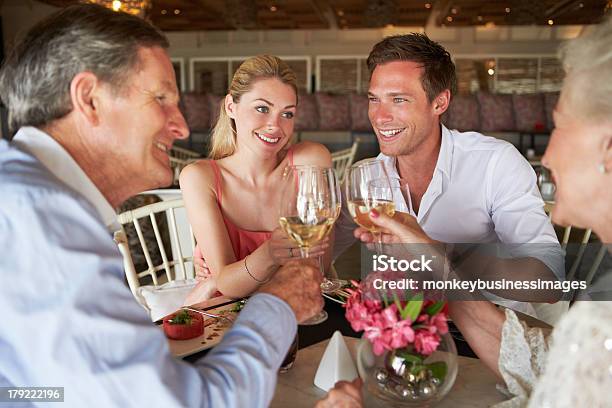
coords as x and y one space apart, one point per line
93 95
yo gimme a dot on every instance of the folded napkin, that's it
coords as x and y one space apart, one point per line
336 364
160 301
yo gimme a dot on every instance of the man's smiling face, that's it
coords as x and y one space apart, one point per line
400 113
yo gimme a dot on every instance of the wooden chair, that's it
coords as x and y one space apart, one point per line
343 159
169 269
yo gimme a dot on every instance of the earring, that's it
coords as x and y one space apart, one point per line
602 168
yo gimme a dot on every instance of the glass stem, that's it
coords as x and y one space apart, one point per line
378 244
304 252
321 267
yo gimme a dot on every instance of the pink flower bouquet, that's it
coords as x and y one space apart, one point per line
405 331
396 324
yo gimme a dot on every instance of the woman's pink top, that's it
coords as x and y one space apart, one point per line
244 242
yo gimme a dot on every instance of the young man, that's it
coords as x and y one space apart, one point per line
93 95
461 187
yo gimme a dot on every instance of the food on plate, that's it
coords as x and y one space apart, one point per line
183 325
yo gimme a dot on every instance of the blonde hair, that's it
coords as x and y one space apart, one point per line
223 139
587 61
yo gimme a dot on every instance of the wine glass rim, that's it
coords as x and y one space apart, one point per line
309 166
391 182
367 162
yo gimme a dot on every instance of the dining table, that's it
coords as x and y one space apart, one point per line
475 385
310 335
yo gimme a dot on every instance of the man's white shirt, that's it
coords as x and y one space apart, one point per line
482 191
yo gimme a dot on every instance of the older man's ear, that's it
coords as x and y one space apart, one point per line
84 95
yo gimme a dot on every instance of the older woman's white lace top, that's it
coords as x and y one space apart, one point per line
575 372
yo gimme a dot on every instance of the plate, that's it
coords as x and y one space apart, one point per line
214 331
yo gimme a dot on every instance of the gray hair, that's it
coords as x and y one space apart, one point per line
587 60
35 79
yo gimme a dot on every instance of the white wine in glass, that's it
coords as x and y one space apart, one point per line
360 208
309 209
361 198
309 205
306 232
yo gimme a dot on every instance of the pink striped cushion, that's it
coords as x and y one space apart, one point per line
333 111
306 117
196 111
496 112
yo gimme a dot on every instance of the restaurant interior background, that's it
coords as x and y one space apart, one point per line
505 52
501 48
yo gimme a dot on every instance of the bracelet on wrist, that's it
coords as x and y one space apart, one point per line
259 281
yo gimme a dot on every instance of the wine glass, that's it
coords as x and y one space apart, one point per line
362 197
331 285
310 205
546 184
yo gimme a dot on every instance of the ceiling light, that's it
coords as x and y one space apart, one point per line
177 11
550 22
454 10
449 19
340 13
135 7
273 8
427 5
479 18
491 71
164 11
507 9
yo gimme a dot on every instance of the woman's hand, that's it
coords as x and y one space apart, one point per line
282 249
344 395
201 269
402 228
204 290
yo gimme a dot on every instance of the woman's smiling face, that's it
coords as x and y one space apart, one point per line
264 117
575 150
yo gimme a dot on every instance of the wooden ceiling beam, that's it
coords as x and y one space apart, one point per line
440 11
325 12
562 8
210 14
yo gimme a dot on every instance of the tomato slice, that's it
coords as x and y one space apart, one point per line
184 331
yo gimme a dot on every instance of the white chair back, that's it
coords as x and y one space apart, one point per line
343 159
584 240
184 154
179 158
168 269
177 166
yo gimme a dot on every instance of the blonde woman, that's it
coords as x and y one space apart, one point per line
232 200
572 367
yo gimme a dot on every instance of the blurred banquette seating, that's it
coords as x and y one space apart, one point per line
339 120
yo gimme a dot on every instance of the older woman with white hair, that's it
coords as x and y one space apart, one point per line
572 366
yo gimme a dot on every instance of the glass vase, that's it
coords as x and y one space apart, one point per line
403 377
